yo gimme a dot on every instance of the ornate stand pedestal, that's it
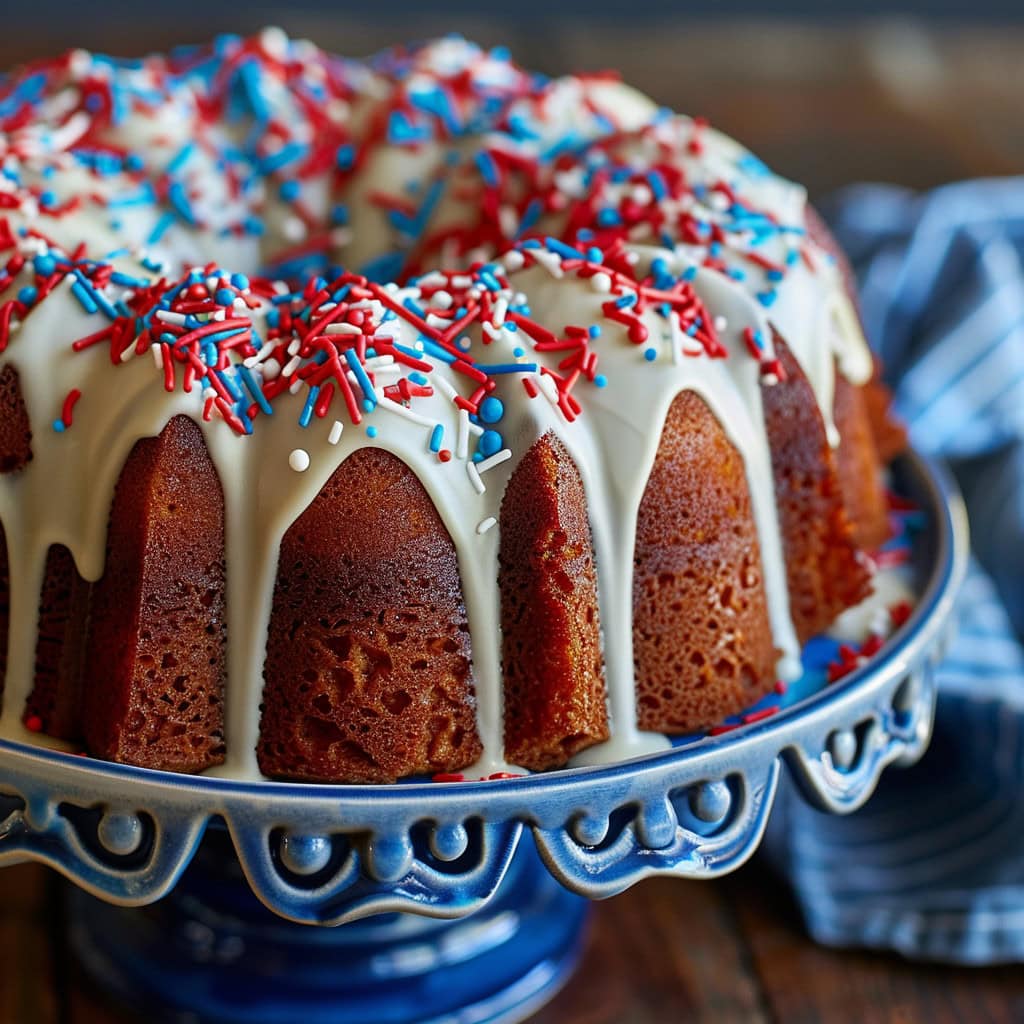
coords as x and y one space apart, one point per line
211 950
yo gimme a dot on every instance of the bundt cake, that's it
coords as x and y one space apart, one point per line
416 416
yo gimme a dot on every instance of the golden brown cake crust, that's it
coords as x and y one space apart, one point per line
858 465
555 700
15 433
824 572
368 673
54 706
153 690
702 642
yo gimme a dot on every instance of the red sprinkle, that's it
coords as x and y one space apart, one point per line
69 406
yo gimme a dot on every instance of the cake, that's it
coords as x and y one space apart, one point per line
417 416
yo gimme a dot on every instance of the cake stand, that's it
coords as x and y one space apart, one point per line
457 903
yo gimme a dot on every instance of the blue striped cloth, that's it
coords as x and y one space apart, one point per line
933 866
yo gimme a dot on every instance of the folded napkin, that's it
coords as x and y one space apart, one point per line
933 866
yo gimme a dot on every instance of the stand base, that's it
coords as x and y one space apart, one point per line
211 952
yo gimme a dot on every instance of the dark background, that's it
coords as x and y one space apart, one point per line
827 92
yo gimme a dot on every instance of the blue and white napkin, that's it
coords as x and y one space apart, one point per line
933 866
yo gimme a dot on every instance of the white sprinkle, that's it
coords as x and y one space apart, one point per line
335 435
292 365
158 354
485 524
299 460
474 478
462 440
271 369
495 460
401 410
294 229
550 261
296 386
442 299
343 329
514 259
548 386
508 221
601 282
720 323
169 317
274 42
444 385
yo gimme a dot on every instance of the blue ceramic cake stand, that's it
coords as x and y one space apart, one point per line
448 912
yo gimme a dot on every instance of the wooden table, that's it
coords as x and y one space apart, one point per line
666 952
825 106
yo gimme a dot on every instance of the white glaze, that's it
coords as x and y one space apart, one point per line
63 496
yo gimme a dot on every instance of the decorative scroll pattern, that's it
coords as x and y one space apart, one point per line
331 854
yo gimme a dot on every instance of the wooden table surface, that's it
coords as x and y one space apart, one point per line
666 952
887 101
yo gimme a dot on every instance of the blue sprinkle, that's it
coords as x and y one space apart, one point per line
491 409
625 301
288 153
490 443
307 410
650 354
252 386
487 167
180 158
594 255
240 281
339 214
27 295
44 265
436 437
495 369
290 190
518 352
58 425
417 378
345 157
563 250
371 432
601 380
608 218
85 299
224 297
767 298
657 183
48 198
229 382
363 380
